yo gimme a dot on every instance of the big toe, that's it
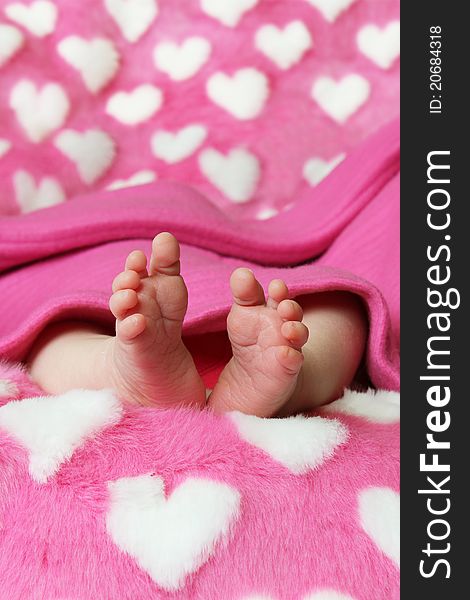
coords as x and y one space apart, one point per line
165 255
246 289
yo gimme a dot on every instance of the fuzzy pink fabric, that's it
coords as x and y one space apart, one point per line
328 533
292 132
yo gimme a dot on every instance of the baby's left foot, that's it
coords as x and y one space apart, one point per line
266 338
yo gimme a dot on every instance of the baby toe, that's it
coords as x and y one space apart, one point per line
290 359
122 301
290 310
137 261
165 254
127 280
277 292
130 327
295 332
246 289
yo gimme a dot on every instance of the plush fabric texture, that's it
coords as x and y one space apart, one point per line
186 504
112 93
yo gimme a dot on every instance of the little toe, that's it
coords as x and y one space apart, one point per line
137 261
295 332
277 292
122 301
289 358
130 327
165 255
290 310
246 289
127 280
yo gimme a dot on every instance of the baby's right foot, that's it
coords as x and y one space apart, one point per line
266 338
147 360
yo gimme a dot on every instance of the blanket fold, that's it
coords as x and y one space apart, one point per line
59 263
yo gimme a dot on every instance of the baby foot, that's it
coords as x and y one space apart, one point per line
147 360
266 338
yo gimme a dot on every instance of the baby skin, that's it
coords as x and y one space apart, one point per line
288 356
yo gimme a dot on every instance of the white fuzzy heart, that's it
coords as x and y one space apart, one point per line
96 60
182 61
33 197
243 94
375 406
92 151
285 47
236 174
382 46
133 17
170 537
316 169
139 178
379 513
52 428
173 147
227 12
299 443
11 40
137 106
341 99
266 213
5 146
39 17
39 112
331 9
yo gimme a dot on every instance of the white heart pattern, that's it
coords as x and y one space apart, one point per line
39 112
33 197
182 61
174 147
133 17
92 151
341 99
96 60
379 513
382 46
316 169
170 537
139 178
11 40
52 428
236 174
137 106
243 95
331 9
39 17
380 406
285 47
299 443
228 12
266 213
5 146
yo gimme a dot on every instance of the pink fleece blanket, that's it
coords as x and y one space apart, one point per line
59 263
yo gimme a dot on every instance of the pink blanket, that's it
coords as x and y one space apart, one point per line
59 263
